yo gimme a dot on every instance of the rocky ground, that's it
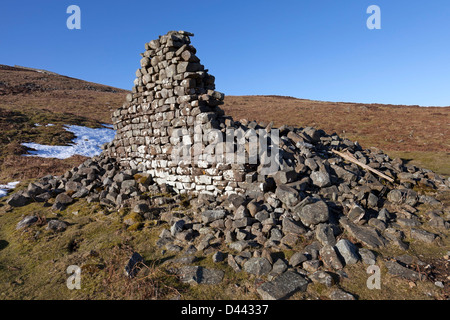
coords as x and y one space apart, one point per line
317 231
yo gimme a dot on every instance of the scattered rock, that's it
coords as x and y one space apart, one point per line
56 225
218 257
315 213
188 259
330 258
212 215
313 194
397 269
288 195
177 227
368 236
291 226
320 179
282 286
233 264
200 275
63 199
278 268
339 294
297 259
348 251
257 266
131 269
325 234
322 277
367 256
26 222
17 200
311 265
422 235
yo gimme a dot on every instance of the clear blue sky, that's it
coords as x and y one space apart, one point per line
313 49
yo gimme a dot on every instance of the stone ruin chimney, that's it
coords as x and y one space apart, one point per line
173 106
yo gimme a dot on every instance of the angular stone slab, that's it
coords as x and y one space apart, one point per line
397 269
26 222
257 266
200 275
130 269
368 236
282 286
314 213
348 251
212 215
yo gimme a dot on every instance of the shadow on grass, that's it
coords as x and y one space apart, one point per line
3 244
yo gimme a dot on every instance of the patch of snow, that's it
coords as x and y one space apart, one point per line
87 143
37 125
5 188
50 125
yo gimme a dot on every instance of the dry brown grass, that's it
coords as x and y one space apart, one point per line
23 89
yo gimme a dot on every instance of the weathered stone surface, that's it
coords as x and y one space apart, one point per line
368 236
348 251
233 264
200 275
187 259
212 215
422 235
17 200
278 268
311 265
320 179
367 256
339 294
26 222
395 196
297 259
289 196
239 245
218 257
397 269
330 258
177 227
63 199
314 213
291 226
257 266
132 267
325 234
282 286
322 277
57 225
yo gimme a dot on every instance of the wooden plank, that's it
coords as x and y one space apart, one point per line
349 157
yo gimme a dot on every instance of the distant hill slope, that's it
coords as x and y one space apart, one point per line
29 96
23 88
395 127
